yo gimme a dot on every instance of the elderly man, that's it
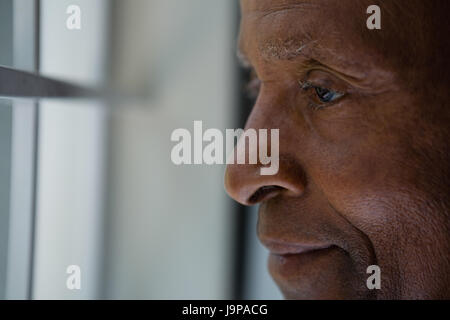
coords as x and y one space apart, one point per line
364 163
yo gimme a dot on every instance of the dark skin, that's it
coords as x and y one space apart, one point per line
364 146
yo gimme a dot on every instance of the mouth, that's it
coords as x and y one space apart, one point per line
289 260
296 264
292 260
290 249
292 264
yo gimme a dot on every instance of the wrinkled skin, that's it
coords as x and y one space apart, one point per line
364 179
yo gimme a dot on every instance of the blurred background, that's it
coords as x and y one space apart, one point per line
90 182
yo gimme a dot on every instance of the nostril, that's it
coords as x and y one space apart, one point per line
263 193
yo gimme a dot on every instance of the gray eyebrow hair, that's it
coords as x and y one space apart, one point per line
278 50
287 49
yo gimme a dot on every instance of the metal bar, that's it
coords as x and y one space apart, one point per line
36 67
15 84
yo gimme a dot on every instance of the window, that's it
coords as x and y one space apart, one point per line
29 206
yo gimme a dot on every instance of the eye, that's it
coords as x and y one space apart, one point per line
323 94
326 95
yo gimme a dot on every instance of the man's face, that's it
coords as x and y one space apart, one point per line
363 173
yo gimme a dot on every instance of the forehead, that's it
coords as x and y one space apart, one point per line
333 32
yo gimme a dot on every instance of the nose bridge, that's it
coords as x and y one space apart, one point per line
267 111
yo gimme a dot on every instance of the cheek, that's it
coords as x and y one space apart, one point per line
361 173
369 169
362 159
358 149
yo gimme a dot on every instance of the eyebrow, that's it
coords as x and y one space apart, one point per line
289 49
310 63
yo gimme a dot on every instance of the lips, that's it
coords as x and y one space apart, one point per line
291 260
281 248
292 265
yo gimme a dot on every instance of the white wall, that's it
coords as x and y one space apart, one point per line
169 232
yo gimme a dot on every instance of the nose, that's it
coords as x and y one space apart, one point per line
245 184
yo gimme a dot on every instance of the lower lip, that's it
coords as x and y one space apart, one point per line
296 265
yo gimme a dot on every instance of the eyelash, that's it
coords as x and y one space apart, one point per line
253 86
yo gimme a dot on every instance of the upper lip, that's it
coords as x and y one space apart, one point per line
281 248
